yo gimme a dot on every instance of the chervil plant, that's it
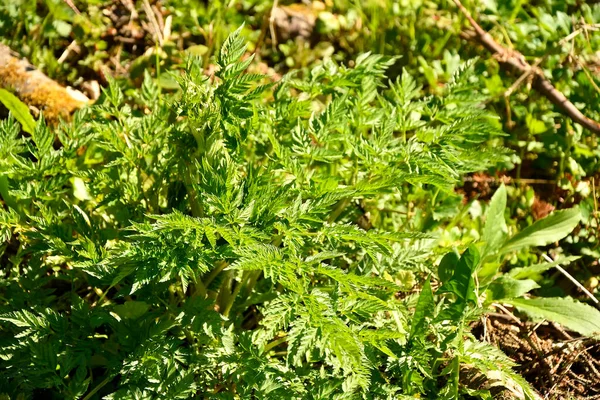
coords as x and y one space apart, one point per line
217 245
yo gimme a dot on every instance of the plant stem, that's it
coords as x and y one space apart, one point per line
339 208
224 292
250 283
98 387
274 343
230 297
199 289
221 265
195 205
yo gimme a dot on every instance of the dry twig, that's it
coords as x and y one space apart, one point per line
575 281
72 6
515 61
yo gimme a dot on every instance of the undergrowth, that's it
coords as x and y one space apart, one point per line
217 245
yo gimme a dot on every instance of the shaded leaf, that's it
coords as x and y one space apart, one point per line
447 266
507 288
462 283
131 309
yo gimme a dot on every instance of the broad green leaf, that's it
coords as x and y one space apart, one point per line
80 190
462 283
424 309
131 309
487 272
544 231
62 28
508 288
494 230
447 266
535 270
18 109
570 313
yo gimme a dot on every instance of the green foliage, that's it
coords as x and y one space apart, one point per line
511 287
576 316
18 109
495 230
545 231
212 246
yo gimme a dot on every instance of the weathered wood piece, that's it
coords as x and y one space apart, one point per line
35 89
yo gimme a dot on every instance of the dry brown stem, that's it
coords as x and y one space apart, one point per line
515 61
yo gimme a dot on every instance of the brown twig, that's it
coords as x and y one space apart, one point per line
575 281
72 6
515 61
272 25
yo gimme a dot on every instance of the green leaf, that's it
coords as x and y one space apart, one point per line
131 309
534 271
232 50
113 93
545 231
27 319
494 230
508 288
62 28
424 309
18 109
576 316
534 125
5 193
447 266
462 283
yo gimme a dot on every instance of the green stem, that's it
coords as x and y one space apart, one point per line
338 210
230 297
434 198
522 152
4 193
273 344
250 283
221 265
97 388
196 206
104 295
224 291
199 289
157 60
